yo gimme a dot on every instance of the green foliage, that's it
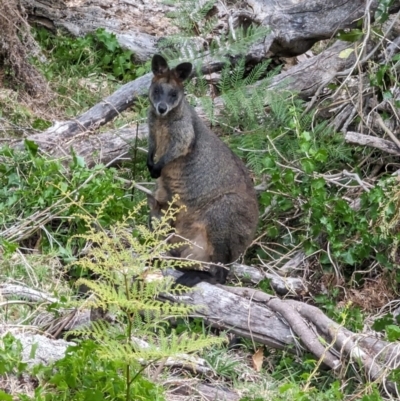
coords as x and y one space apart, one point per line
373 395
382 11
383 77
296 392
295 152
11 356
83 375
191 16
239 105
84 70
32 185
10 362
124 263
388 324
223 364
197 19
349 316
350 36
286 137
97 52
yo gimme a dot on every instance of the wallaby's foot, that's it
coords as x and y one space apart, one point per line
235 342
193 277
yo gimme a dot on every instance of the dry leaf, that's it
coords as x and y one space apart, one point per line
258 358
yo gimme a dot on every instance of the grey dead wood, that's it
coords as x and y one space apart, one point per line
292 325
295 26
57 140
373 142
48 350
281 285
20 291
282 324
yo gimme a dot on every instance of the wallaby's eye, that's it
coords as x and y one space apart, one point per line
156 91
173 95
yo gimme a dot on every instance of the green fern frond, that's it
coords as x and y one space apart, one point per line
257 73
122 259
237 73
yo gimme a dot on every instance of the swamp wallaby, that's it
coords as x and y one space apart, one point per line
212 182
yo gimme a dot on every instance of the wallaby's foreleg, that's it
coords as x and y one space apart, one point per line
180 145
150 153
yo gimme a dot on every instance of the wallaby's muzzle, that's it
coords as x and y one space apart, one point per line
162 108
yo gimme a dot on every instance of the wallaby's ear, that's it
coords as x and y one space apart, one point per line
159 65
183 70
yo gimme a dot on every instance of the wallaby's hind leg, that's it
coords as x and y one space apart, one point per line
231 223
199 250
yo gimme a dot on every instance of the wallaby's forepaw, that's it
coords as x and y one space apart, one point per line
150 162
155 170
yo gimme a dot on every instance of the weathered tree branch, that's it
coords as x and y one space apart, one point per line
268 320
281 285
373 142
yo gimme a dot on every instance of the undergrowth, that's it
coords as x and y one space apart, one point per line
52 192
84 70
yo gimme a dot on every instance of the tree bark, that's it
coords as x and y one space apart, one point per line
280 323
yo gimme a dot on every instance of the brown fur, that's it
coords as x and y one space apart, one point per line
212 182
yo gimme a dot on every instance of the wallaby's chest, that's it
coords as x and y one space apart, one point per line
162 138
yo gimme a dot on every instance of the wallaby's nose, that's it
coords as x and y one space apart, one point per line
162 108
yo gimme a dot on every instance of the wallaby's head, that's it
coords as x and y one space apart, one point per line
166 90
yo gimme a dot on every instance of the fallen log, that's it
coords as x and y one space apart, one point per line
286 324
282 323
57 138
296 26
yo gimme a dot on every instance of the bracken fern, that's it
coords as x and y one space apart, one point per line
124 262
